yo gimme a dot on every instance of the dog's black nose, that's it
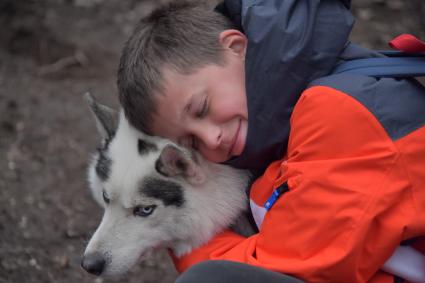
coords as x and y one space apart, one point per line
93 263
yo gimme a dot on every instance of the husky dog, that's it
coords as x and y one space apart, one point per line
155 194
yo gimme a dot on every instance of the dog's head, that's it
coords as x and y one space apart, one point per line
154 194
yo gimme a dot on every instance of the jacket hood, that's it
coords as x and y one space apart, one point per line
290 43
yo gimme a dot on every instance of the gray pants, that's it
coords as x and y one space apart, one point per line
222 271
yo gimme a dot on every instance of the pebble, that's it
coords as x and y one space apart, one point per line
365 14
70 248
29 200
71 233
33 262
11 165
395 5
62 261
23 223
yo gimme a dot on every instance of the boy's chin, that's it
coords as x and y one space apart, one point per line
219 157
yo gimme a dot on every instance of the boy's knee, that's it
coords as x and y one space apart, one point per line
206 272
222 271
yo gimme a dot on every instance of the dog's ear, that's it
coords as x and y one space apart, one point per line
106 118
174 161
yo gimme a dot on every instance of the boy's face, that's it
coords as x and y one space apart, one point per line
206 110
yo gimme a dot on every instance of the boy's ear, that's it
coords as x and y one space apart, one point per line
106 118
234 40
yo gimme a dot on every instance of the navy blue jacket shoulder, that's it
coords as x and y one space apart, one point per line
290 43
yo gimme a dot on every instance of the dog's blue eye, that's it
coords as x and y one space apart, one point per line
143 211
105 197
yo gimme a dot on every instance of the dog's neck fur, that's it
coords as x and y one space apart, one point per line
216 203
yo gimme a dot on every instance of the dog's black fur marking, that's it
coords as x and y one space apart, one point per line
103 165
145 146
168 192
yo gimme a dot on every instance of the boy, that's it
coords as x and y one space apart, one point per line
347 177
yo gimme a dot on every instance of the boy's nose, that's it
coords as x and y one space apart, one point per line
210 135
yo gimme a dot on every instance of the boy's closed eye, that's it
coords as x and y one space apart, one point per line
202 110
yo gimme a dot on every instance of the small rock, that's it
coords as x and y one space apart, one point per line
23 223
71 233
26 235
33 262
20 126
29 200
395 4
41 205
62 261
365 14
11 165
70 248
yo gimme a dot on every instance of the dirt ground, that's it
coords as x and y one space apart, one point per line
51 52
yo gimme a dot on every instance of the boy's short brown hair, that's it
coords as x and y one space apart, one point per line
182 35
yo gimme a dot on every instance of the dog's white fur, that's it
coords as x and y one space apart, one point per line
214 197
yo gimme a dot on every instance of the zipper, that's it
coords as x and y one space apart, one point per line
277 193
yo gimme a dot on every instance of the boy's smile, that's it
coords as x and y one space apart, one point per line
206 109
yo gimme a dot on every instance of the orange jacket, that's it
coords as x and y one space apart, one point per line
354 195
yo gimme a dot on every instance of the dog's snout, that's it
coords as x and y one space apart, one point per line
93 263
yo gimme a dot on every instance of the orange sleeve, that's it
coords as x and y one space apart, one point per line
347 205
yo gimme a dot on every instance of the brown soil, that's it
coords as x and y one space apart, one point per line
50 54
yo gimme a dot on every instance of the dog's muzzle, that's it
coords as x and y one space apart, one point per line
93 263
